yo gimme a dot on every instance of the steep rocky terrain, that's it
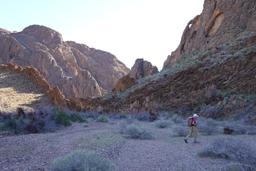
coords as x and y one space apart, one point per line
140 69
219 22
215 79
77 70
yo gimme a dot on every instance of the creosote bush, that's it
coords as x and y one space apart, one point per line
162 124
232 149
61 118
81 161
77 118
135 132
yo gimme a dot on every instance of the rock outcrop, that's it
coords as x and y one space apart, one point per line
124 83
219 22
53 93
140 69
77 70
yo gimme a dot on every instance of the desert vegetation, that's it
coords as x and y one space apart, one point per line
81 161
98 141
231 148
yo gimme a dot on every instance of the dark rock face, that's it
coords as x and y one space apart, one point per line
77 70
220 22
142 68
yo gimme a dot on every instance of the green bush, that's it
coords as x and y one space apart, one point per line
102 118
81 161
77 118
15 124
60 117
135 132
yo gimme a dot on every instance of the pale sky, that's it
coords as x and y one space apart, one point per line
129 29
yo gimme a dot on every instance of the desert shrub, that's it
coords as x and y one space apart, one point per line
143 116
20 124
81 161
162 124
135 132
240 128
15 124
179 131
208 126
237 167
166 114
177 119
77 118
232 149
119 116
64 118
102 118
61 117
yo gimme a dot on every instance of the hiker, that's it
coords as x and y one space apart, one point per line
193 131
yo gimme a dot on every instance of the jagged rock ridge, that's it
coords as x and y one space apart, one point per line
78 71
140 69
219 22
215 79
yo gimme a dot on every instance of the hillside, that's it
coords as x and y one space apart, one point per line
76 69
215 80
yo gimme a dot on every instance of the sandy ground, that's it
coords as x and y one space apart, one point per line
35 152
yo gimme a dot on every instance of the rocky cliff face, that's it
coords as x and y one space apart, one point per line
33 75
140 69
78 71
212 72
219 22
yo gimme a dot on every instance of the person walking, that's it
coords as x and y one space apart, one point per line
193 131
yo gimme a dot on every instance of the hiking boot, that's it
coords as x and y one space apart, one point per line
186 141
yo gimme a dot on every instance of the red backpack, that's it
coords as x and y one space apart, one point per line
191 122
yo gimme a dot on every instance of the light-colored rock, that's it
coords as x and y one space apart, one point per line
77 70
